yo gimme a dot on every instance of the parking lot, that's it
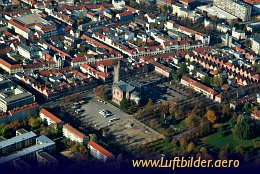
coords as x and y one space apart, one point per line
92 117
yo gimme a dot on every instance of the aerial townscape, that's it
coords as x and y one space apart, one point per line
97 83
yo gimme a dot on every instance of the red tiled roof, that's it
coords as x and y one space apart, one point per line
100 149
252 1
107 62
50 115
199 85
188 1
74 131
256 114
8 65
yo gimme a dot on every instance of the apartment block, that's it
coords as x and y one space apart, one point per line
99 152
73 134
235 7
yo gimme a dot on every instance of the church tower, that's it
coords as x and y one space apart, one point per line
116 72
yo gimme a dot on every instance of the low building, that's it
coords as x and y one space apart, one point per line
73 134
20 132
10 68
46 160
49 118
255 115
160 68
99 152
199 87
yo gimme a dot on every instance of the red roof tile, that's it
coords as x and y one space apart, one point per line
100 149
50 115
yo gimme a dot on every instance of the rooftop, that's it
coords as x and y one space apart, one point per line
100 149
17 139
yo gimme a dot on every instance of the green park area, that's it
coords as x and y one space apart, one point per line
218 141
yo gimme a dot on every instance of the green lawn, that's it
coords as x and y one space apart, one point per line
217 141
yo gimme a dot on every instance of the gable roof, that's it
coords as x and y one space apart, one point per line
100 149
50 115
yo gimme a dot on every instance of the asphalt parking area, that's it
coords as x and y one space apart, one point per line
92 117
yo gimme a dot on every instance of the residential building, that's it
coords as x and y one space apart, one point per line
73 134
256 44
255 115
99 152
49 118
235 7
10 68
160 68
17 143
238 34
199 87
46 160
27 147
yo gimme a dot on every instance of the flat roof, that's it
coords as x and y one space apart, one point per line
24 152
215 11
17 139
47 157
7 91
32 19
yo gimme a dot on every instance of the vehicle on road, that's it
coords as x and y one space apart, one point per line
113 119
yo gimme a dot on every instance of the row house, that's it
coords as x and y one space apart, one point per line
199 87
10 68
208 61
38 66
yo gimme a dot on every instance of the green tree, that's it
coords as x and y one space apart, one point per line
125 104
35 122
242 130
217 80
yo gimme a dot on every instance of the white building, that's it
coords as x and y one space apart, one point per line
99 152
238 34
73 134
256 44
48 117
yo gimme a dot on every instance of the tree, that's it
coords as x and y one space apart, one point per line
248 43
242 130
100 91
183 142
211 116
222 130
93 137
149 103
203 150
240 150
217 80
191 121
35 122
125 104
191 147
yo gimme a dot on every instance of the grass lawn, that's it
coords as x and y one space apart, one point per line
217 141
